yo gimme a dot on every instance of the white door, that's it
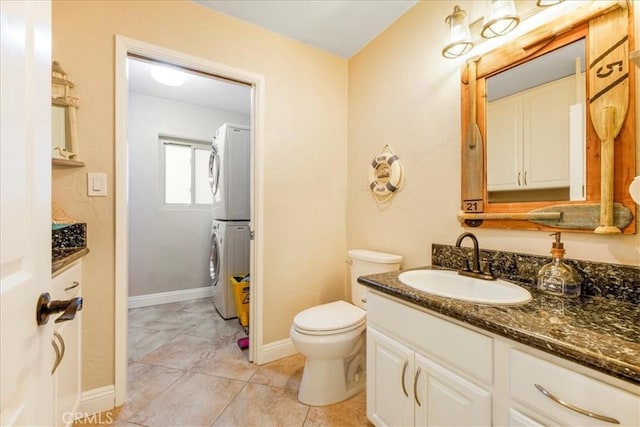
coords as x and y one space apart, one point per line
445 399
26 359
389 381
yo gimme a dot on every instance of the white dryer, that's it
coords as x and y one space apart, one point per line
230 242
230 173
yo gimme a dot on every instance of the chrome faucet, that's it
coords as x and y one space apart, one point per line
475 271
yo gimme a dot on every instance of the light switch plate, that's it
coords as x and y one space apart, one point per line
97 184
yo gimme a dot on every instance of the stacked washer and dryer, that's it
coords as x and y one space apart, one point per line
230 179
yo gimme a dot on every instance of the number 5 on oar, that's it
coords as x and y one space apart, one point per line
608 98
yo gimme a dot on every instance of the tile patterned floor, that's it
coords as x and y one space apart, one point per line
186 369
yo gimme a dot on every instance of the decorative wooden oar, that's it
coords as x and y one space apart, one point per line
608 98
473 168
576 217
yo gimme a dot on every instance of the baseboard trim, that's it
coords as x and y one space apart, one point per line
277 350
167 297
95 401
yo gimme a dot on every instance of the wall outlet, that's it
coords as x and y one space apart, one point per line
97 184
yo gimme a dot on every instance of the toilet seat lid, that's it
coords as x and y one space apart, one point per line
329 317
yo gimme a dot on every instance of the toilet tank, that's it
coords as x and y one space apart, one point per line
364 262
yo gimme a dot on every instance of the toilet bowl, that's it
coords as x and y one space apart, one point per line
332 337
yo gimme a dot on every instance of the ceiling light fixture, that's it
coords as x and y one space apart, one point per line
460 41
499 19
168 76
545 3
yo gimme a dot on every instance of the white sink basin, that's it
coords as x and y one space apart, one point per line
450 284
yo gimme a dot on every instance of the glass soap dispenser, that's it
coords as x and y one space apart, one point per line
558 278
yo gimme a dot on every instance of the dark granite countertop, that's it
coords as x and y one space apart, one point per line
596 332
61 257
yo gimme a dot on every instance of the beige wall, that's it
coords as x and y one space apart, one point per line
403 92
400 91
305 153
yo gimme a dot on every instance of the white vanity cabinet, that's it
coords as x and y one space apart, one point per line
407 383
390 367
425 370
544 393
66 346
528 138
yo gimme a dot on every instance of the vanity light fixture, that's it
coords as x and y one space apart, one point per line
499 19
460 41
168 76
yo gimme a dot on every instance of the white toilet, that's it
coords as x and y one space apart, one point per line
332 336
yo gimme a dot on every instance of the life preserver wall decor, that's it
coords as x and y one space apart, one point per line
385 174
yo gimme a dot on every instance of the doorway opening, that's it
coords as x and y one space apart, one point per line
170 131
171 120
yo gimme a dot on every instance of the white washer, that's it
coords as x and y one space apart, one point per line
230 254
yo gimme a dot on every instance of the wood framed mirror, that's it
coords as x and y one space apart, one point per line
531 153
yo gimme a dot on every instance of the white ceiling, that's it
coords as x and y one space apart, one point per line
197 89
342 27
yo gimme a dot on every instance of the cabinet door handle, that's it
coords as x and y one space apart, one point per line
58 359
519 173
575 408
404 371
59 350
63 348
415 387
525 178
73 286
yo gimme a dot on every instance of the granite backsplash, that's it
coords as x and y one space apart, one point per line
621 282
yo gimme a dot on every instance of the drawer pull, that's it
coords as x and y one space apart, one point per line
59 350
62 346
415 387
404 371
73 286
54 344
575 408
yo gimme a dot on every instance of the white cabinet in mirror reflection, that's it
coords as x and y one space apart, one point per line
532 136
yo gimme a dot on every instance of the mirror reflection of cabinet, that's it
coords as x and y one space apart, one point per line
491 196
64 136
528 144
535 128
